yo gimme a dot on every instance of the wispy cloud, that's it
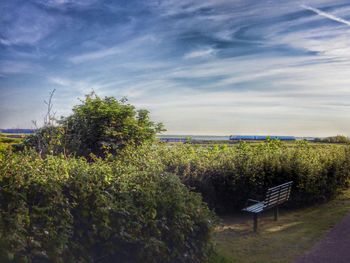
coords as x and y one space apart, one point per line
66 3
9 67
203 53
327 15
218 66
126 47
79 87
94 55
27 25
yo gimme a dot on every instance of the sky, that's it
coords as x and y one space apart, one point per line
215 67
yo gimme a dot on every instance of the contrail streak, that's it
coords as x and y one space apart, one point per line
327 15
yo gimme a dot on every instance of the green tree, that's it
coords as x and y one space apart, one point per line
334 139
102 125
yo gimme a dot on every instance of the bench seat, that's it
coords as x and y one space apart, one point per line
256 208
274 197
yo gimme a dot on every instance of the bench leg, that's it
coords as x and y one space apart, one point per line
255 218
276 212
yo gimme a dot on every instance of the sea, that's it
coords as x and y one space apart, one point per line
212 137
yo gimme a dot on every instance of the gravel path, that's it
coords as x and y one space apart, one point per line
334 248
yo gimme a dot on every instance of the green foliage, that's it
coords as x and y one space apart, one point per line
3 148
8 142
228 176
217 258
47 140
334 139
58 209
97 126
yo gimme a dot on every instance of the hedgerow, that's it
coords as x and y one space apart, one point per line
59 209
134 206
228 176
95 187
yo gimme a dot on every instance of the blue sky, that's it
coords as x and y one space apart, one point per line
200 67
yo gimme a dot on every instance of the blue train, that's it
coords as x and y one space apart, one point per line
260 138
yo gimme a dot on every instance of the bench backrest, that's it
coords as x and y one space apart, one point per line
278 194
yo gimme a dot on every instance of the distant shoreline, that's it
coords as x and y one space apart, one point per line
18 131
169 137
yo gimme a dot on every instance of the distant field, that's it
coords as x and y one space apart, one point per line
6 140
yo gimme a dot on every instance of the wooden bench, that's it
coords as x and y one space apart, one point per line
274 197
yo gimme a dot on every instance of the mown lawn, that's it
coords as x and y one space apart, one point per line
282 241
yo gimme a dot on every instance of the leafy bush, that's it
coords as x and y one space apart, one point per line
3 148
228 176
47 140
97 126
107 124
8 142
68 210
334 139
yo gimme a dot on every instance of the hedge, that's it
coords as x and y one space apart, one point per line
228 176
61 209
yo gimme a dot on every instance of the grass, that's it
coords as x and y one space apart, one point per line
293 234
6 140
10 138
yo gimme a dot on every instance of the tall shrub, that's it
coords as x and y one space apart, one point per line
96 126
68 210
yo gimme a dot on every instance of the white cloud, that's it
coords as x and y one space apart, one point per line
65 3
79 87
28 25
94 55
125 48
295 81
203 53
17 67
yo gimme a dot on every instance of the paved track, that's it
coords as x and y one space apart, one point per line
334 248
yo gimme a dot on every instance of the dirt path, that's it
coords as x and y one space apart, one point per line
334 248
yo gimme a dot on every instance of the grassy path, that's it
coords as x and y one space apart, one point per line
282 241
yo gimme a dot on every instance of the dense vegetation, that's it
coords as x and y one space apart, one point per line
96 187
7 140
133 206
334 139
58 209
96 126
228 176
68 195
